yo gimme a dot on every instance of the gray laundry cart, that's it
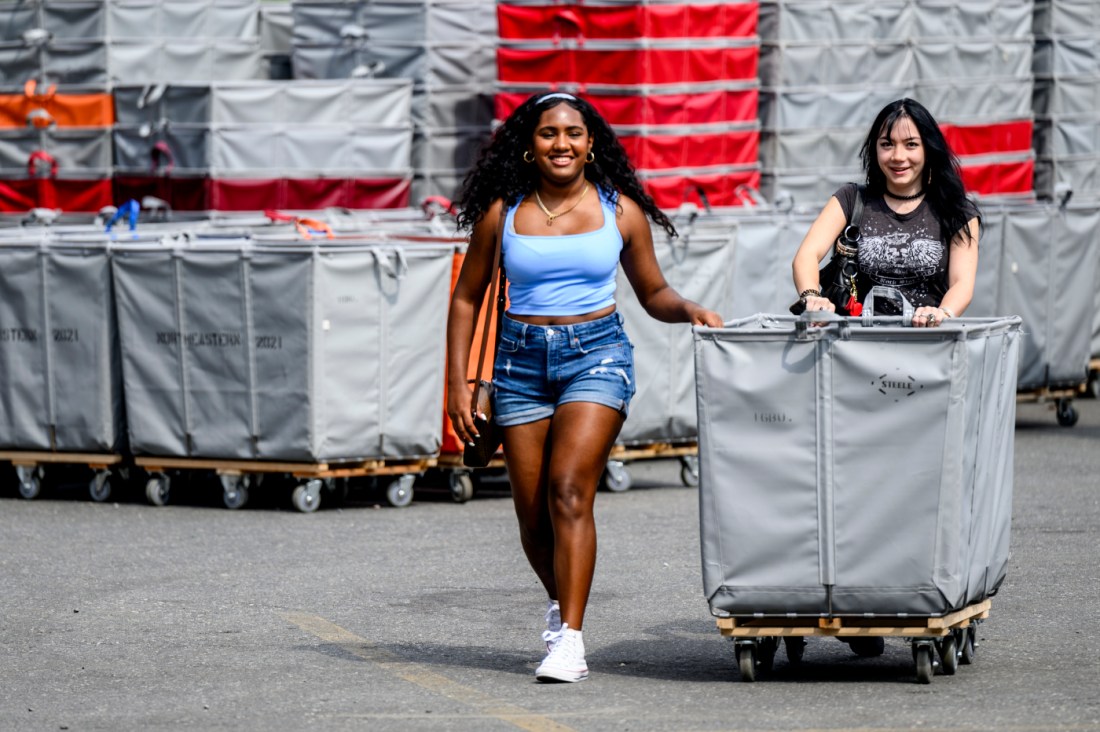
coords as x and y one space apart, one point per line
60 383
855 478
300 359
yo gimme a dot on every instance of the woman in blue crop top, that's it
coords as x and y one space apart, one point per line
564 369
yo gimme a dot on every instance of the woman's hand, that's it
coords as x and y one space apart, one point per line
816 302
929 317
702 316
460 410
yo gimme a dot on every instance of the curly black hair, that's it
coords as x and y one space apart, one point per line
943 185
500 171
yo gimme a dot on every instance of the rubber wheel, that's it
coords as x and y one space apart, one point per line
99 488
462 487
923 656
746 662
689 472
616 478
306 498
795 646
156 490
30 487
400 492
1067 413
949 655
236 496
969 645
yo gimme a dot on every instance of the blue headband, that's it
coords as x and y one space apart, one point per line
555 95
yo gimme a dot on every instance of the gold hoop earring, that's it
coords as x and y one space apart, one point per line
528 157
590 157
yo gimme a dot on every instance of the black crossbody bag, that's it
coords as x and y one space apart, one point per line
839 278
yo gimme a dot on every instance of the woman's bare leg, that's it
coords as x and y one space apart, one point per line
526 452
581 437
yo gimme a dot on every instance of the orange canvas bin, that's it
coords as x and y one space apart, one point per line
451 444
35 109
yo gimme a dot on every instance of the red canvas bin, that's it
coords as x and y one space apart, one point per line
725 20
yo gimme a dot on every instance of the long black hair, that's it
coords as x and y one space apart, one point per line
500 171
942 180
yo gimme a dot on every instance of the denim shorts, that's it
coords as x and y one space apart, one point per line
538 367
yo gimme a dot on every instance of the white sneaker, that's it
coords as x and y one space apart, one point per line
565 662
553 625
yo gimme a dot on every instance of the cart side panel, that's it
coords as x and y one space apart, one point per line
280 309
145 299
84 340
758 478
416 338
895 513
23 373
215 336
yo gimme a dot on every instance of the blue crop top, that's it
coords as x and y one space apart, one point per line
571 274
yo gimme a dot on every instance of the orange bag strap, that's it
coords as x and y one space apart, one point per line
494 297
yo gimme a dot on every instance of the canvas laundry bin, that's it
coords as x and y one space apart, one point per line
284 352
60 382
854 468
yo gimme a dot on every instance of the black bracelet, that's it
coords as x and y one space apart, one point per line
808 292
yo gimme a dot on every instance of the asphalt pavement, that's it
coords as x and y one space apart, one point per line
124 616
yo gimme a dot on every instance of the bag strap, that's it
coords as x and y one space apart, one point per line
847 244
498 297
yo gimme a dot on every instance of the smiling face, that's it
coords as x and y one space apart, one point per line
901 157
560 144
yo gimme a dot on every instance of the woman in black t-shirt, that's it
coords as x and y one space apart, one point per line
919 229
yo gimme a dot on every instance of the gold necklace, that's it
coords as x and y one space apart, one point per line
551 216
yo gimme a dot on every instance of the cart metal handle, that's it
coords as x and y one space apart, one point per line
886 293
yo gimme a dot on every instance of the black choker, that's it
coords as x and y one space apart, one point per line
896 197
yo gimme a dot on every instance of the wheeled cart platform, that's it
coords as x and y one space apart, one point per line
952 637
616 476
30 469
237 476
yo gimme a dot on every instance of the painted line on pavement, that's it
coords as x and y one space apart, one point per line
422 677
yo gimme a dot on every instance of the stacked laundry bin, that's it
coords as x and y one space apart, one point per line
677 81
827 68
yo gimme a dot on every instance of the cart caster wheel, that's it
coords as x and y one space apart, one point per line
746 660
30 481
1067 413
462 486
795 646
307 496
616 478
400 492
234 491
689 471
969 650
949 655
156 490
922 654
100 486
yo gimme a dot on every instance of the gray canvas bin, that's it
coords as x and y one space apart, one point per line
284 352
698 265
61 387
848 469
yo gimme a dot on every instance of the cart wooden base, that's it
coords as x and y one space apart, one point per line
953 636
237 476
616 476
30 467
1060 400
460 477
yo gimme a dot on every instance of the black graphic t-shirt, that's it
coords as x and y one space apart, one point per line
903 251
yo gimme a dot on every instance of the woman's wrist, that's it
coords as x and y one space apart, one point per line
809 292
947 311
